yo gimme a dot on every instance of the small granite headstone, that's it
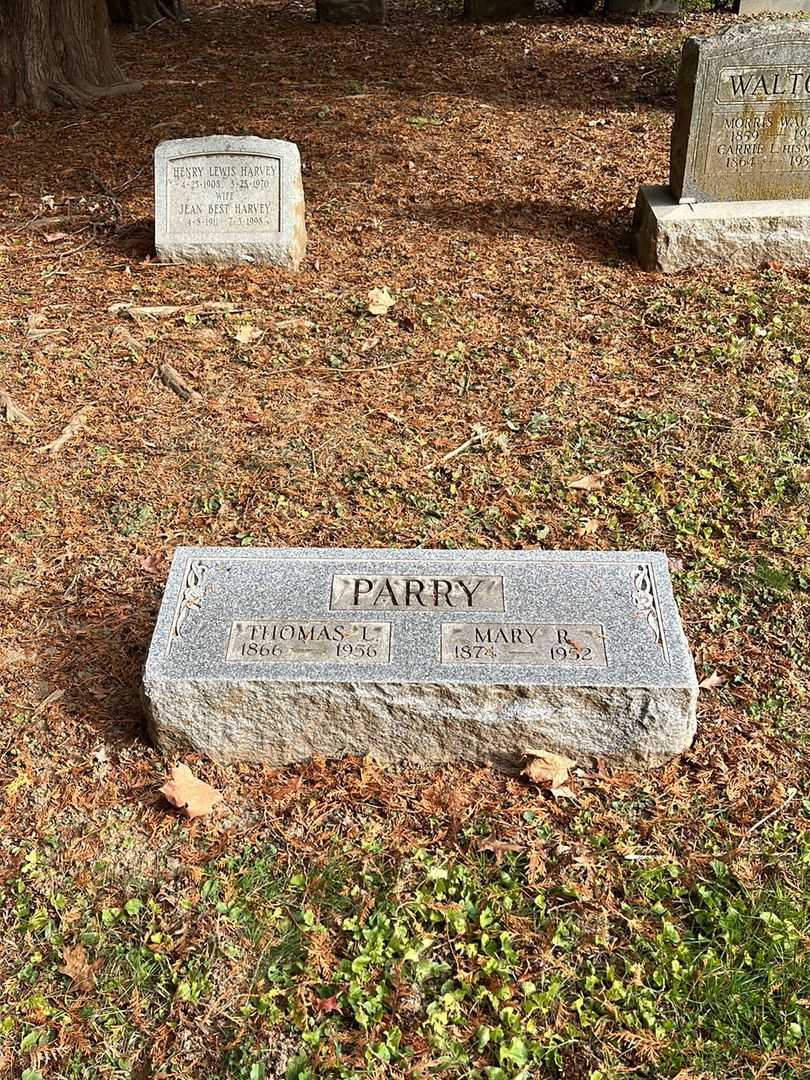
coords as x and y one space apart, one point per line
497 10
425 656
229 199
643 7
351 11
740 154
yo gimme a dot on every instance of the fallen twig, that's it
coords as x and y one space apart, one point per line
164 310
790 797
172 378
476 439
14 413
70 430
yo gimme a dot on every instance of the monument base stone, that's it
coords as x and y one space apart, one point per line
771 7
497 10
351 11
644 7
669 236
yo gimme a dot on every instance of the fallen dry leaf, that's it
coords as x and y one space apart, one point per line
593 482
713 681
589 527
36 326
379 301
499 848
49 699
13 412
77 968
296 325
172 378
9 656
543 767
327 1004
194 797
246 334
69 431
152 564
563 792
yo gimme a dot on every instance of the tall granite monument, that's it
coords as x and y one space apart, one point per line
229 199
425 656
739 183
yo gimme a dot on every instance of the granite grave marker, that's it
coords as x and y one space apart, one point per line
229 199
771 7
740 154
497 10
414 655
351 11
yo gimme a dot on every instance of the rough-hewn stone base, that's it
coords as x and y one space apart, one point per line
771 7
284 722
670 236
497 10
351 11
643 7
288 256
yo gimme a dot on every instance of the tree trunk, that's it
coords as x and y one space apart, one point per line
56 52
140 13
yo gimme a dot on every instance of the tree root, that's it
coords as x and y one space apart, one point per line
83 97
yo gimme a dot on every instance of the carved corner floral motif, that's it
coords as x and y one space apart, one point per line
645 600
191 598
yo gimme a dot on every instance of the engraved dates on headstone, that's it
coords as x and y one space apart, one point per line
522 643
742 123
229 199
230 192
286 640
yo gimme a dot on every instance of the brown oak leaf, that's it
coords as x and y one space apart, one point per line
379 301
499 848
328 1004
551 770
592 482
193 797
713 681
153 564
77 968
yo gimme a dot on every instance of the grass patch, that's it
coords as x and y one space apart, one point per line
452 965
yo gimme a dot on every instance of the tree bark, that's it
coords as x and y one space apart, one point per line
140 13
56 52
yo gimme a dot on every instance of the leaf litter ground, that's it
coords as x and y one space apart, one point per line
528 386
